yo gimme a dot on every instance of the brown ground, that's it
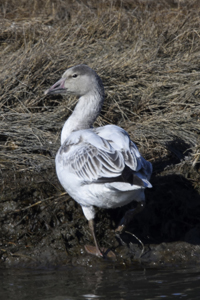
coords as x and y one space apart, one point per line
147 54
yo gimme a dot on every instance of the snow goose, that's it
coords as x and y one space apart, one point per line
97 166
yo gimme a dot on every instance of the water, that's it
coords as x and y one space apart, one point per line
78 283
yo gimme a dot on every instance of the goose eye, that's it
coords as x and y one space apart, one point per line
74 75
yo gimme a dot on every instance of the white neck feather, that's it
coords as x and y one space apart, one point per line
85 113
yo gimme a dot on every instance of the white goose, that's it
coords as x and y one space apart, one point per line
97 166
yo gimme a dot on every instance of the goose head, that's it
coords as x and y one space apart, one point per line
79 80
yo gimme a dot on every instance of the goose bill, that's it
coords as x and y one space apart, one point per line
57 88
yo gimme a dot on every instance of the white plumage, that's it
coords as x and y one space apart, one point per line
97 166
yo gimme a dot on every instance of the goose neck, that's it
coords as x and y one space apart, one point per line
85 113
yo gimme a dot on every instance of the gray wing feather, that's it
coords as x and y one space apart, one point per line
94 155
120 140
90 163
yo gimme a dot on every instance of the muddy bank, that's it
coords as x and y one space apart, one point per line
146 53
51 233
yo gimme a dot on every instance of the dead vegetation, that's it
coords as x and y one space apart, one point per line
146 52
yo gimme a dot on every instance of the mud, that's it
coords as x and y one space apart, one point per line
53 233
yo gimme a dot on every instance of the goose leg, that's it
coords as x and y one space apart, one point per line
103 252
88 248
129 216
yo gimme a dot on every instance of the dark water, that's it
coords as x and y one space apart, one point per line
88 284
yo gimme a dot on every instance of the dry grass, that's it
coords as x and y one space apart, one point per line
147 53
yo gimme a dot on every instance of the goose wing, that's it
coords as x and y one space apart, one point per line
89 157
119 139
